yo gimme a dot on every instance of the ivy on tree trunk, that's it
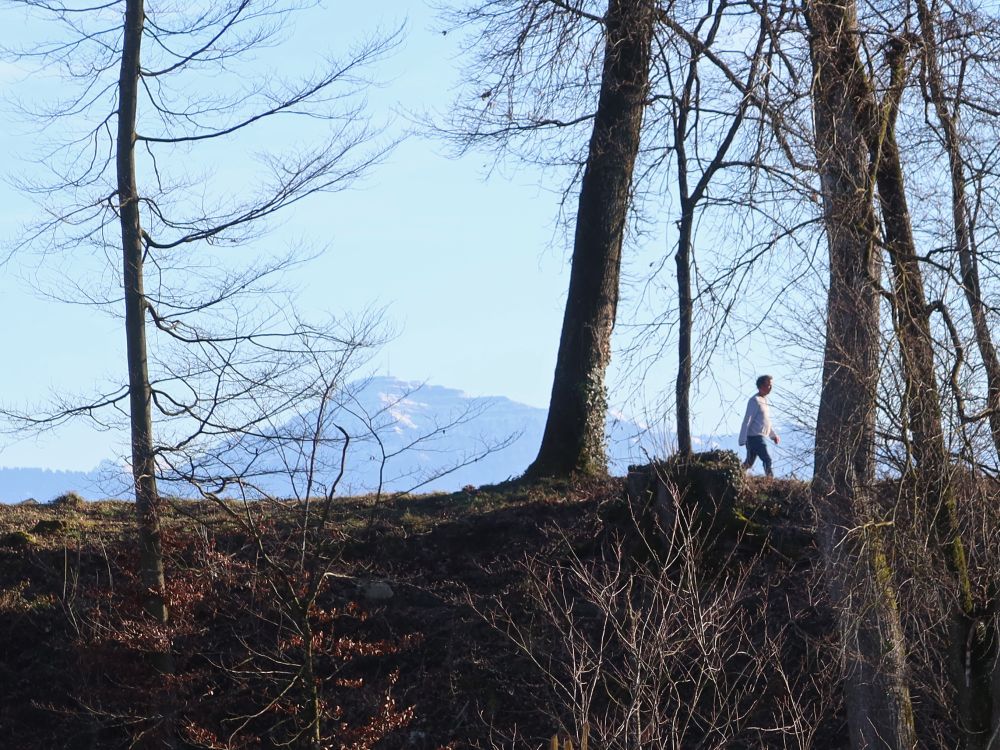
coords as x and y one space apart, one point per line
573 441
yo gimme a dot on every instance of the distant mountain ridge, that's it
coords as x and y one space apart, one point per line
461 428
438 438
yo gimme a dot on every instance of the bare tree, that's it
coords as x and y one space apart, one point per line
309 422
968 662
545 73
701 138
139 70
849 530
950 136
573 440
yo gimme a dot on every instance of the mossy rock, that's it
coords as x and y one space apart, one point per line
17 540
715 502
709 486
713 481
48 526
68 501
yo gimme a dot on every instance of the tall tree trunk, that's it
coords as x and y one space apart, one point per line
969 661
685 307
146 497
573 441
985 644
860 581
690 196
685 235
968 261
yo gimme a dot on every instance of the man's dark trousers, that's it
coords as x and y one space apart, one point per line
757 446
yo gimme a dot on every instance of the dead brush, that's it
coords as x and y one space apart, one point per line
68 501
567 743
641 652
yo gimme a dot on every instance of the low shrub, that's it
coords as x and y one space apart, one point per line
68 501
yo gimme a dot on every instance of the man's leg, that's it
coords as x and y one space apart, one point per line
757 446
765 457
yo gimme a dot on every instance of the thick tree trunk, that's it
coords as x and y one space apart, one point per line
968 261
146 497
931 479
573 441
860 581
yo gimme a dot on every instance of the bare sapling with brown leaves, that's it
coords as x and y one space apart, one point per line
139 71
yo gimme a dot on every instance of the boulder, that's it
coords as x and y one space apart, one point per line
376 591
707 495
17 540
48 526
705 487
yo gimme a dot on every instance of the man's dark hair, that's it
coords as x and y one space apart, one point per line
763 379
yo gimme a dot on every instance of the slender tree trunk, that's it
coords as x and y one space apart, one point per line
573 441
685 307
146 497
685 233
312 736
860 581
922 398
690 196
968 659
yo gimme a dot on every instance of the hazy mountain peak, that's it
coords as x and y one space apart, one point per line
439 438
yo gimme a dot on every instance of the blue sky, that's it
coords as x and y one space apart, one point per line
470 261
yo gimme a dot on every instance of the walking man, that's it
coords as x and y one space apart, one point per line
757 426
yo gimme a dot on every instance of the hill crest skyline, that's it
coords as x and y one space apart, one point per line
412 408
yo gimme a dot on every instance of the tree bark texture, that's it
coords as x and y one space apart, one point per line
146 497
969 661
573 441
858 574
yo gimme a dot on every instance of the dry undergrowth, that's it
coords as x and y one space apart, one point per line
426 662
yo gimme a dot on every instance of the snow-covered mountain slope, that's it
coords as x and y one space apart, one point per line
403 435
406 435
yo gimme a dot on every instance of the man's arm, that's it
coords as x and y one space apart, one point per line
772 434
746 421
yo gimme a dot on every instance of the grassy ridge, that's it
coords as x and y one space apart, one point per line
425 604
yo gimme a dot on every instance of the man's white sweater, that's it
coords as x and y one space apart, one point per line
757 420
